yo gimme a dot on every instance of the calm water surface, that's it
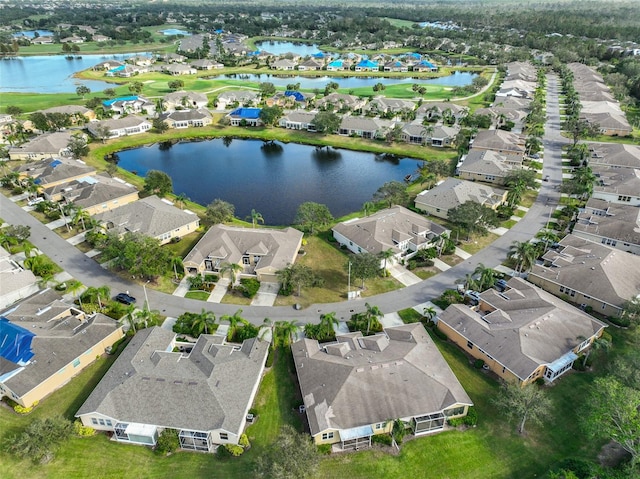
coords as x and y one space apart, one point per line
274 179
279 48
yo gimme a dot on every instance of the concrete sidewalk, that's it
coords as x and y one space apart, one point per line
266 295
221 288
77 239
391 319
406 277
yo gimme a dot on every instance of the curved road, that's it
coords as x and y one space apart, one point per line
90 273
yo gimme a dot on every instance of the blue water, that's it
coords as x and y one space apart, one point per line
274 179
174 31
32 33
282 80
279 48
51 73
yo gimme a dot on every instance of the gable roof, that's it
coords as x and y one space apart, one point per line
453 192
615 154
615 180
498 140
51 170
359 381
150 216
603 273
523 327
490 162
620 222
276 248
92 190
211 388
48 143
384 229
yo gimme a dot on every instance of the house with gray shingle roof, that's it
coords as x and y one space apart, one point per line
612 224
589 274
48 145
128 125
381 105
618 185
614 154
241 97
498 140
358 386
187 118
298 120
205 64
16 282
94 194
310 65
522 333
51 172
453 192
488 166
341 101
262 252
397 229
369 128
44 342
185 99
150 216
438 136
284 64
204 395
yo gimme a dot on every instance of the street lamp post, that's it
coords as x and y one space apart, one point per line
146 298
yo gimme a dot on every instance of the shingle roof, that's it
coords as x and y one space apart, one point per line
522 328
55 170
621 222
150 216
454 192
615 180
615 154
361 381
211 388
48 143
91 191
376 233
603 273
489 162
498 140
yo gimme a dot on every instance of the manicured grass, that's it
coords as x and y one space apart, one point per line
520 213
409 315
201 295
509 224
423 273
478 243
234 297
186 243
451 259
529 198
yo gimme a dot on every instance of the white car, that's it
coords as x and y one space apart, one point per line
35 201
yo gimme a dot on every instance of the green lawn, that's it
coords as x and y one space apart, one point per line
200 295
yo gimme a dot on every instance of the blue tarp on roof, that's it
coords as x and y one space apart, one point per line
295 94
55 163
367 64
336 64
248 113
425 63
318 55
122 98
15 342
252 54
218 31
417 56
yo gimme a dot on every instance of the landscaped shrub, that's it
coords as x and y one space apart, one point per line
439 334
384 439
167 442
471 419
324 449
478 363
269 361
623 322
253 411
581 468
211 278
250 287
234 449
244 441
81 430
21 409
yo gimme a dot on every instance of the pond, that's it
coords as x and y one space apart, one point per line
32 33
272 178
280 48
51 73
174 31
282 80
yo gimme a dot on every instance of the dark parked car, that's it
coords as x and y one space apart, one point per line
125 298
501 285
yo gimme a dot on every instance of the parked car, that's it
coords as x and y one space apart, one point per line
35 201
125 298
501 285
474 296
546 178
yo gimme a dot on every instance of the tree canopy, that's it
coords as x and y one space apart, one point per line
311 215
157 183
473 217
326 122
295 457
219 211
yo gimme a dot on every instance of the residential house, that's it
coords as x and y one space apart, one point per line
397 229
172 58
206 64
284 64
369 128
433 111
54 171
117 127
614 155
612 224
204 395
381 105
261 252
341 102
128 105
396 66
442 136
150 216
78 113
94 194
46 342
290 99
589 274
415 133
179 69
488 166
187 118
16 282
47 145
451 193
298 120
72 39
185 99
337 66
367 66
42 40
245 117
310 65
424 66
126 71
498 140
140 60
240 97
101 38
522 334
617 185
358 386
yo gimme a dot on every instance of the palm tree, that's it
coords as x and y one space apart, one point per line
234 321
598 344
284 333
469 282
327 323
80 216
256 218
367 207
547 236
202 322
386 255
232 268
429 312
130 317
524 253
372 314
486 276
181 199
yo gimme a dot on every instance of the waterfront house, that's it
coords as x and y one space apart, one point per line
47 145
117 127
184 99
245 117
298 120
488 166
187 118
51 172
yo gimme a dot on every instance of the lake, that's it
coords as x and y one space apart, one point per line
174 31
282 80
51 73
272 178
279 48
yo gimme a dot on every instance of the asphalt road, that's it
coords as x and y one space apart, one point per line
90 273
